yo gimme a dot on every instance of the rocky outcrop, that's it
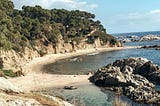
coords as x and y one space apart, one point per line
129 38
156 47
10 100
10 95
142 67
150 37
134 38
30 100
15 61
131 77
8 87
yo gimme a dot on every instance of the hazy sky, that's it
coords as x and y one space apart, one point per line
116 15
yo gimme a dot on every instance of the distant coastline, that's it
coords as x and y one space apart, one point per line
137 33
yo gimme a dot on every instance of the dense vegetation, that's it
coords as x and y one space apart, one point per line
22 28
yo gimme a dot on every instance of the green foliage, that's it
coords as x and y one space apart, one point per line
8 73
6 6
23 28
4 43
105 38
42 52
91 39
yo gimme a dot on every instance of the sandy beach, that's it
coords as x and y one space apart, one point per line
35 79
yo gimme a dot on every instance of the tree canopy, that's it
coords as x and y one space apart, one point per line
21 28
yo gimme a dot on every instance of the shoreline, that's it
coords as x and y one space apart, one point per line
36 79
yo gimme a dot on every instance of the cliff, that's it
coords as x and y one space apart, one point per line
11 60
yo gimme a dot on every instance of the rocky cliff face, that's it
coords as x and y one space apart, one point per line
14 61
133 77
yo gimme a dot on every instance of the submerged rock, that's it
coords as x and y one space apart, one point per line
131 77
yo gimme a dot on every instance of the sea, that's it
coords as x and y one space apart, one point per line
137 33
89 94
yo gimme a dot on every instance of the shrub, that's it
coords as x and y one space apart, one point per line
104 37
8 73
42 52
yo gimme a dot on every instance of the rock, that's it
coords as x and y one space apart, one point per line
30 99
140 66
127 70
130 38
111 77
156 47
132 77
23 102
89 73
150 37
126 40
13 100
8 87
19 73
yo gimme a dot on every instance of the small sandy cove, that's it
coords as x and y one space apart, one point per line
36 79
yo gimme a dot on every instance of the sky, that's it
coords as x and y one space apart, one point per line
117 16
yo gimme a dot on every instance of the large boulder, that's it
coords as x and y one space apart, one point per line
140 66
109 76
126 72
132 76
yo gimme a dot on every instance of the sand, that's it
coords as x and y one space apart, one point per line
36 79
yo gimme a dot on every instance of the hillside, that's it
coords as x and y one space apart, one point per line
34 31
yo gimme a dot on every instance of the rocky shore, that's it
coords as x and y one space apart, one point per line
133 77
134 38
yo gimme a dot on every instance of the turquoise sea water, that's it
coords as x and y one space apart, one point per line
85 95
89 94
